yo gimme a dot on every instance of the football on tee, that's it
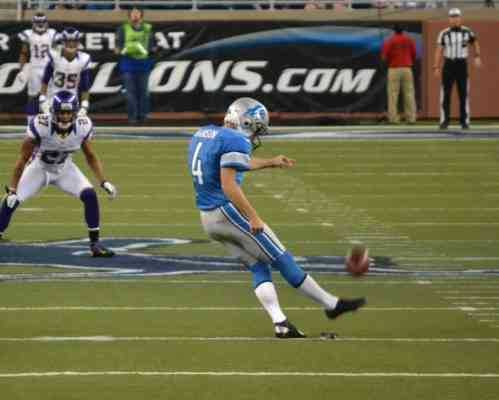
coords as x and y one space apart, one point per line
357 260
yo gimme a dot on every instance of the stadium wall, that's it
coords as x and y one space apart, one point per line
484 82
259 38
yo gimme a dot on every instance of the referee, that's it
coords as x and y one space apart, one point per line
453 46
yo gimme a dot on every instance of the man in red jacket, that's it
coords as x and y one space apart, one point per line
399 53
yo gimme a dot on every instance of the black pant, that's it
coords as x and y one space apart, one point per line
455 71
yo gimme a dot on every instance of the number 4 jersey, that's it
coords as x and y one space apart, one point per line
211 149
54 150
71 75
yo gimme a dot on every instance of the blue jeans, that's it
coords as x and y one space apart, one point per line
137 93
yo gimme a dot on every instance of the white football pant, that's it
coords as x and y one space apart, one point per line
34 178
35 81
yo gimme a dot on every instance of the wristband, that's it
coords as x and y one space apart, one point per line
85 104
42 98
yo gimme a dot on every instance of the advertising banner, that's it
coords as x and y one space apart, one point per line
302 67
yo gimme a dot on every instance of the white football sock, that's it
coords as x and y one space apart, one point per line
312 289
267 295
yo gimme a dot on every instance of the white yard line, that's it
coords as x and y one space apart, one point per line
238 282
222 308
471 298
458 375
484 314
476 291
291 225
466 285
237 339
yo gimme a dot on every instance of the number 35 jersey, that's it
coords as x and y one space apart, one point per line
211 149
54 150
64 74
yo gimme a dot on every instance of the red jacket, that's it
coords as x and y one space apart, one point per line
399 51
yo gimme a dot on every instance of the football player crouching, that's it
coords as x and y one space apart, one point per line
46 159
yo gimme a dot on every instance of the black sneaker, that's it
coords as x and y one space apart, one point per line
345 305
286 330
444 125
98 250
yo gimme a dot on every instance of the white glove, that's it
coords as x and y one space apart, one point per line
23 74
11 199
83 111
43 104
110 189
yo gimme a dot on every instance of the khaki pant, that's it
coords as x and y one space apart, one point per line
401 78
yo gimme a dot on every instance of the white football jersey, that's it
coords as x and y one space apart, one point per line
66 74
54 150
39 45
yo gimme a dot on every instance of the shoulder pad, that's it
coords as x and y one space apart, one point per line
85 57
39 126
25 35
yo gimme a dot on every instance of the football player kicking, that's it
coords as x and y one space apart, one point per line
67 69
218 157
46 160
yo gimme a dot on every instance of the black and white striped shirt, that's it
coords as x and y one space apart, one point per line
455 42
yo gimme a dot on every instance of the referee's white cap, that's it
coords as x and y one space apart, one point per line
454 12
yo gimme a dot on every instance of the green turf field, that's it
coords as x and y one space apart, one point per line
426 205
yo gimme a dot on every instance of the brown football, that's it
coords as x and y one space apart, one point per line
357 260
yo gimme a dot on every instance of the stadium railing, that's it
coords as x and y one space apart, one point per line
193 5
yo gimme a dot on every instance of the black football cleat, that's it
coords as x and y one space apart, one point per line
286 330
465 126
444 126
98 250
345 305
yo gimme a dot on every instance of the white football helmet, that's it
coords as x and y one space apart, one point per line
249 116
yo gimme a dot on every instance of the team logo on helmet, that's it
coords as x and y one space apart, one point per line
249 116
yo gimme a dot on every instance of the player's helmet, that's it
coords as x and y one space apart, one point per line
249 116
71 39
40 22
65 105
